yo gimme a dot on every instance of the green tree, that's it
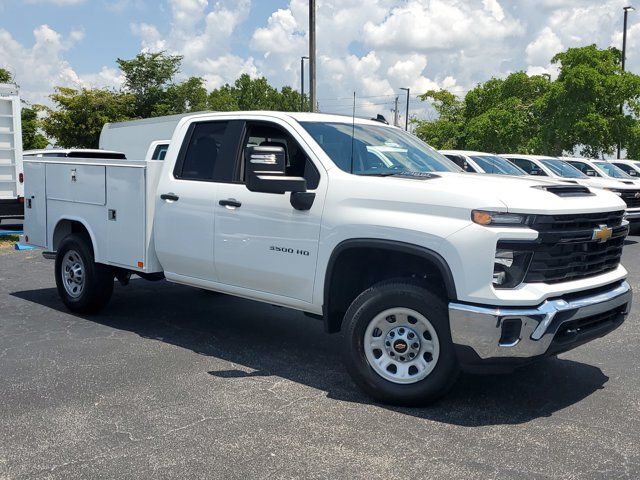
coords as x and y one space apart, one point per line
32 139
582 108
532 114
254 94
79 115
148 76
188 96
5 76
446 132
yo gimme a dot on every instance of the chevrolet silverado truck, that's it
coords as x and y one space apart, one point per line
424 269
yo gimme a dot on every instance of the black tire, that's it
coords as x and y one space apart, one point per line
98 279
372 302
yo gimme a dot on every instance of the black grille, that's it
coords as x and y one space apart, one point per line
565 249
588 326
631 197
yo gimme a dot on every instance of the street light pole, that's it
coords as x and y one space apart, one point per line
312 54
624 58
406 118
302 82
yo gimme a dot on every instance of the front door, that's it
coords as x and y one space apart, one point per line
262 242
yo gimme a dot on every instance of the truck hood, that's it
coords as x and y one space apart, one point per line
609 183
502 193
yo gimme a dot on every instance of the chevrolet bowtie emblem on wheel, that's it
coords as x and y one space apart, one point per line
602 233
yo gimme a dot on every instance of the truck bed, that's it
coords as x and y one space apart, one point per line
113 199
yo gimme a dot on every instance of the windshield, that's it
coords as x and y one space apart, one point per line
612 170
498 165
562 168
377 150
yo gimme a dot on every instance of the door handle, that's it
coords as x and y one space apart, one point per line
230 202
170 196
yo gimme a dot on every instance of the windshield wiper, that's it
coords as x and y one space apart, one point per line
401 174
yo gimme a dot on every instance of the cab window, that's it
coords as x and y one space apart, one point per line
528 166
460 161
585 168
298 163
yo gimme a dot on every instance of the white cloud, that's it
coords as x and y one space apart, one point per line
372 47
60 3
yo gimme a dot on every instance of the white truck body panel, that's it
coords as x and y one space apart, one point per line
10 143
114 200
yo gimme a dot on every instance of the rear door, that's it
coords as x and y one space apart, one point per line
186 198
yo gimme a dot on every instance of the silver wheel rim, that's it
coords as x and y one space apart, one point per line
73 273
401 345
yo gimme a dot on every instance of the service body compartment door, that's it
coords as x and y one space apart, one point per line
35 204
76 183
126 196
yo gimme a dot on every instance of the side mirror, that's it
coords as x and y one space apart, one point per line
265 169
591 173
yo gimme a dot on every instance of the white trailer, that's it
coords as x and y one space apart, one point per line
11 175
145 139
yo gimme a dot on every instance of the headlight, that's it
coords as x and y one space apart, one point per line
510 267
498 219
613 190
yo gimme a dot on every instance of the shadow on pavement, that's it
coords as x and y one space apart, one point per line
272 341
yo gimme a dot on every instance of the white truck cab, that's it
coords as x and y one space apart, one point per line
482 162
426 270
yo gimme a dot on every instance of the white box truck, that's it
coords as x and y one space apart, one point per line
426 270
11 175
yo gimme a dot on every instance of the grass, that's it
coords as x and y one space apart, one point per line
8 241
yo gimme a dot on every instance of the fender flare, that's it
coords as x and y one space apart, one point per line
431 256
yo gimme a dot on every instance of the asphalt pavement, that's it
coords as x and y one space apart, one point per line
174 382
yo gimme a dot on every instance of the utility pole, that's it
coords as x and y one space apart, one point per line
302 83
624 58
406 118
312 55
395 113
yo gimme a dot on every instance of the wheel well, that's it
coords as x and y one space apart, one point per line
352 270
67 227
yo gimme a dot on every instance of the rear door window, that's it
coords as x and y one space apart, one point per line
209 151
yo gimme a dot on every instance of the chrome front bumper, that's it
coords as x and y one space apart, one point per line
632 214
481 328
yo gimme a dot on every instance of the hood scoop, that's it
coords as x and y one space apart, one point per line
627 182
566 190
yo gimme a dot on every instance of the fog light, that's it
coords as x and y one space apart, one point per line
510 267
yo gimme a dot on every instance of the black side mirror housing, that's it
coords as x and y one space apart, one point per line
265 171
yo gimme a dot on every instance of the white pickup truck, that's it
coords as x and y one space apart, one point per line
426 270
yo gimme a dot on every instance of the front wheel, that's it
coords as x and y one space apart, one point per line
397 344
83 285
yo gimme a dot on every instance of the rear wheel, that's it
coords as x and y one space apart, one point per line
397 344
83 285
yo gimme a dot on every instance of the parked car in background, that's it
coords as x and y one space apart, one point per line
540 165
601 169
630 167
157 150
482 162
145 139
424 269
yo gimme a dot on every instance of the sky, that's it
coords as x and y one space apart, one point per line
372 47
